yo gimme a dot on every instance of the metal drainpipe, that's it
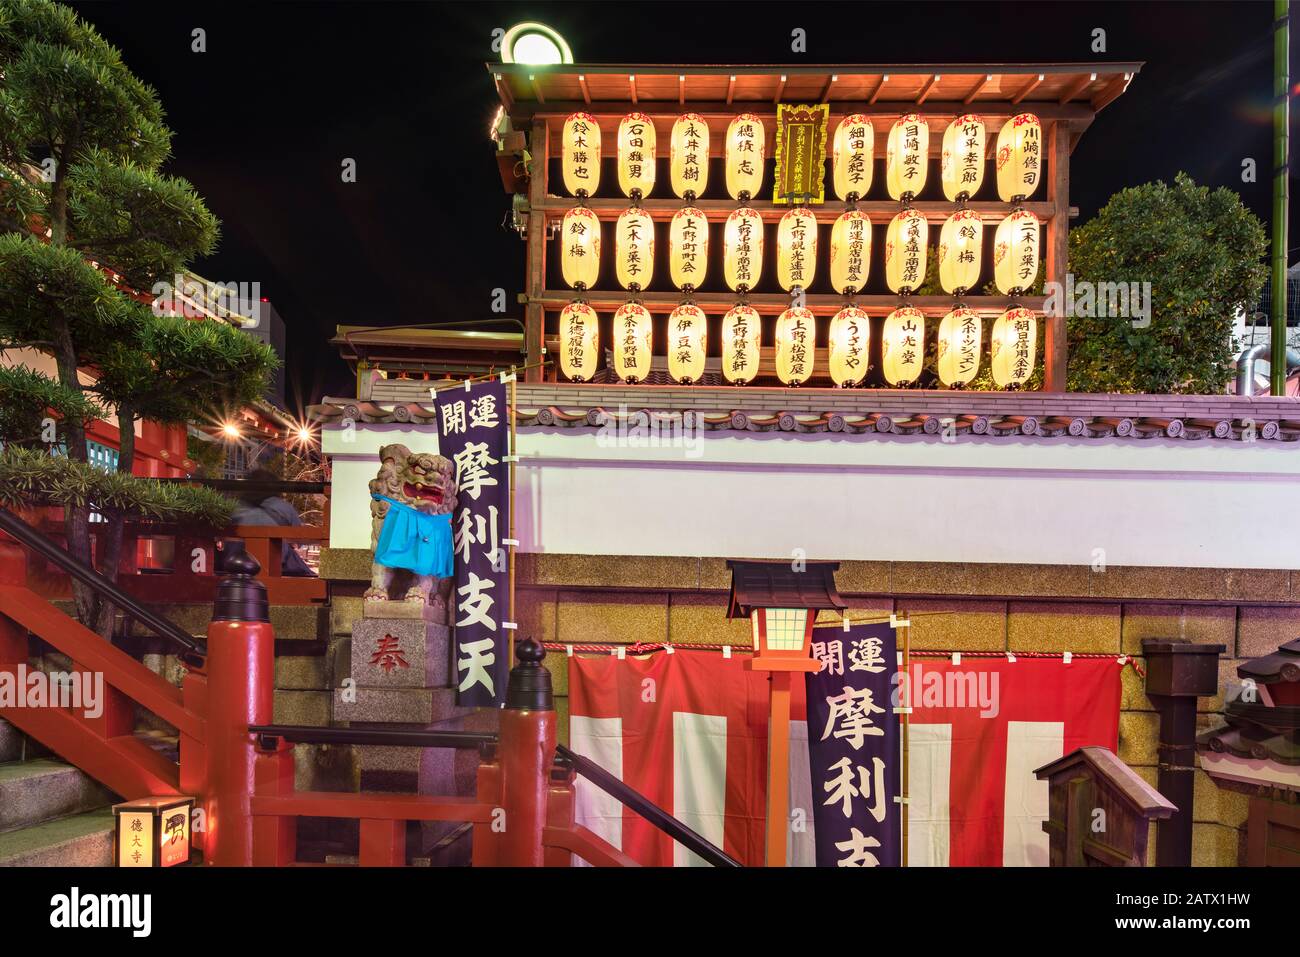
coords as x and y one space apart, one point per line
1281 187
1246 365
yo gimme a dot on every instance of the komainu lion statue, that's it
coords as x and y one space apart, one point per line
412 500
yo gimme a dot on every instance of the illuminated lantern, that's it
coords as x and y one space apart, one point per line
796 249
962 165
907 155
632 342
636 154
580 249
687 340
850 341
688 163
745 155
959 346
1013 343
742 329
902 345
905 250
152 831
579 341
688 247
1015 252
850 251
796 338
634 248
580 154
851 156
742 249
1019 157
961 246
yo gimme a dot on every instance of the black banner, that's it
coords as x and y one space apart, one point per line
473 431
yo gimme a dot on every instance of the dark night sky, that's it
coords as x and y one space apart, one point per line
285 91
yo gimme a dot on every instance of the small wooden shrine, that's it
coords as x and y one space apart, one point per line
780 225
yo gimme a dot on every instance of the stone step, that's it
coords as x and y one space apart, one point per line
79 840
32 792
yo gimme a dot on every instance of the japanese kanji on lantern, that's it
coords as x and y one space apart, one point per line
796 337
961 250
850 252
688 163
580 248
849 338
959 346
742 249
636 155
687 343
742 330
851 157
1015 252
744 156
1019 156
579 341
1013 344
634 248
688 247
796 249
961 165
907 156
905 251
580 154
902 345
632 331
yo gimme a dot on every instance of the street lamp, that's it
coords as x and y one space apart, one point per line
534 43
781 600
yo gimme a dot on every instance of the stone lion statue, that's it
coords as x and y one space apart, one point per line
412 500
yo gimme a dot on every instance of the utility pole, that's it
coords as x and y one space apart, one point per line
1281 192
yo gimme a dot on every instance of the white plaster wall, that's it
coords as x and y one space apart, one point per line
908 498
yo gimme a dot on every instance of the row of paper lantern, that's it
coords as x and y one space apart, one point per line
961 249
961 168
1012 344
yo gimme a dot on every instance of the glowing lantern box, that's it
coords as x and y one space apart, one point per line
153 831
782 604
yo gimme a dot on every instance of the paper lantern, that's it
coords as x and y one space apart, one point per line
634 248
905 250
688 164
579 341
961 167
688 247
1015 252
850 251
580 252
959 346
852 156
1019 157
902 345
742 330
796 339
687 341
907 156
1013 344
849 338
742 248
152 831
580 154
633 331
636 154
745 155
796 249
961 248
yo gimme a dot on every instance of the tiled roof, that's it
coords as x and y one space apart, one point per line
861 411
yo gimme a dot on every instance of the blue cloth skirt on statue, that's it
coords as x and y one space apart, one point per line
415 541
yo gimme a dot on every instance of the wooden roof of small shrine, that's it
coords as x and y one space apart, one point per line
759 584
1122 779
1050 89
